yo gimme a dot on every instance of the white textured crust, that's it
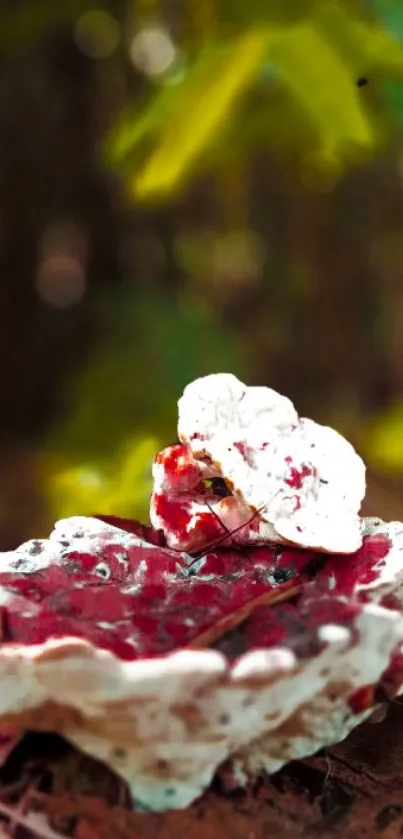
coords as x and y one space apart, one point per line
166 724
317 725
389 578
306 480
378 579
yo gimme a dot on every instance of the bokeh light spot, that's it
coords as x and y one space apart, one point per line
61 280
152 51
97 33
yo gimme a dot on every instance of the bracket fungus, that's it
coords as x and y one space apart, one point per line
295 481
258 619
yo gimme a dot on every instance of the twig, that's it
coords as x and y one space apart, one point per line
35 822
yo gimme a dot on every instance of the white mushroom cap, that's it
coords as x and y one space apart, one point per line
305 479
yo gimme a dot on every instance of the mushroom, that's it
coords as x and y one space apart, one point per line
300 482
101 632
256 620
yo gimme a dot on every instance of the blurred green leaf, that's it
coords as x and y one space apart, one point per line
364 45
390 13
324 87
280 12
118 486
383 439
311 59
393 94
134 126
205 100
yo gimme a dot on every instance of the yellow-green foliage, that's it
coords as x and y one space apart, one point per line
122 405
383 440
201 105
313 59
120 485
